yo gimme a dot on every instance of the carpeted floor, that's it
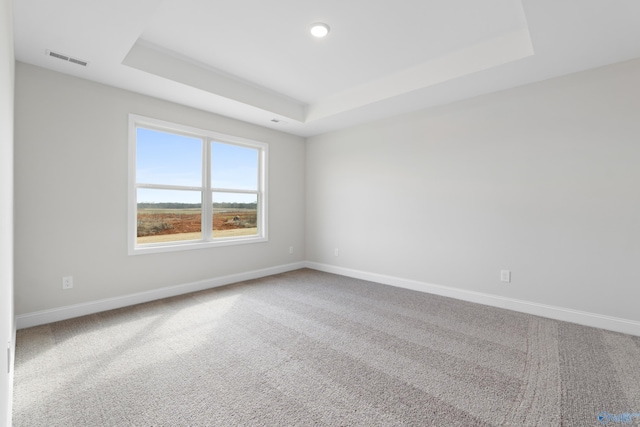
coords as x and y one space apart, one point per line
308 348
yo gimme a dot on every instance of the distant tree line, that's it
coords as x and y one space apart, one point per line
169 205
172 205
227 205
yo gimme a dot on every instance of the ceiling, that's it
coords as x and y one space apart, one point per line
255 60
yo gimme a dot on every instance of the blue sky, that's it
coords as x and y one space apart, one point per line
165 158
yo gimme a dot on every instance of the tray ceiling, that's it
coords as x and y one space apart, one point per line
256 61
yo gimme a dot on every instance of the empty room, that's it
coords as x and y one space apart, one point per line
341 213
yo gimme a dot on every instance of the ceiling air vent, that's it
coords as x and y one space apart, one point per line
67 58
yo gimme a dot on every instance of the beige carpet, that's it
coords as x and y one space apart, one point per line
308 348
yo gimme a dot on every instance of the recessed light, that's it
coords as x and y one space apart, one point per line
319 29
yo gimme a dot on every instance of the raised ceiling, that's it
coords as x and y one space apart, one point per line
255 60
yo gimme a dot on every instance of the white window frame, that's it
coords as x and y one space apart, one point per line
206 189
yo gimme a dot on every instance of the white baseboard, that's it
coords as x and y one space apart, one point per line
12 364
558 313
62 313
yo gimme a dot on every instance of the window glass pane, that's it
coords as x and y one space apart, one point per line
234 214
168 215
169 159
234 167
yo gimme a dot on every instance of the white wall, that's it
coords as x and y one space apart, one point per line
6 202
542 180
71 195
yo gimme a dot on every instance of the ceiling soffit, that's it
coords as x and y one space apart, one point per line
504 40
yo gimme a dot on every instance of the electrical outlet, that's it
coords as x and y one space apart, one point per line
505 276
290 249
67 282
336 252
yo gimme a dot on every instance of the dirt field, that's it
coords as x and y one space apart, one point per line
172 225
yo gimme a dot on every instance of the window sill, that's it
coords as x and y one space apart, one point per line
193 245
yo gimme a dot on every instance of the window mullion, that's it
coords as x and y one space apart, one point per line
233 190
262 203
207 202
168 187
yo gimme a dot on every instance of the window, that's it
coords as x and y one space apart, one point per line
191 188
